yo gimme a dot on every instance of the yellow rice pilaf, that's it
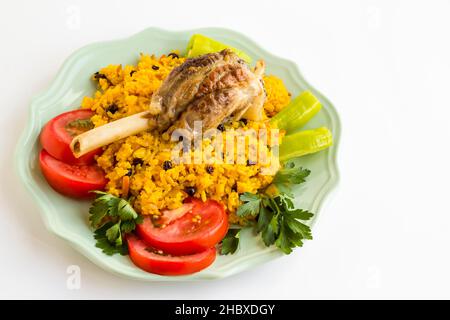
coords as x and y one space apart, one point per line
123 91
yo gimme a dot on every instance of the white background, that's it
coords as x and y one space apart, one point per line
385 232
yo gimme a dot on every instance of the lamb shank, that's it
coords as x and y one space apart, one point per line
211 89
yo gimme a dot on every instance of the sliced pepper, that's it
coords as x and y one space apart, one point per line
305 142
297 113
200 44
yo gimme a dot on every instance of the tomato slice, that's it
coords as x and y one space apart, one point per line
201 228
59 132
71 180
168 216
147 259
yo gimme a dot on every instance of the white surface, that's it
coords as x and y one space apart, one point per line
385 66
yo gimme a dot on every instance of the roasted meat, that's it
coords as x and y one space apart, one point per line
210 88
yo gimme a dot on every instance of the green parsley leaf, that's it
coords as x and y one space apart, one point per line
248 196
278 220
113 234
105 205
291 172
301 214
265 215
126 211
112 217
231 242
106 246
298 227
283 241
284 201
128 226
250 206
139 219
268 235
97 214
109 249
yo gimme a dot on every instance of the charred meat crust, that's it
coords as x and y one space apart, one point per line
211 104
222 77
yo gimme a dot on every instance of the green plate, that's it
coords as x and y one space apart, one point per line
67 218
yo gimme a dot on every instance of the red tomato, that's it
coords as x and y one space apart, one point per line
168 216
201 228
71 180
145 258
59 132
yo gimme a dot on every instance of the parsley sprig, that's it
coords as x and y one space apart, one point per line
277 219
112 217
291 173
231 242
